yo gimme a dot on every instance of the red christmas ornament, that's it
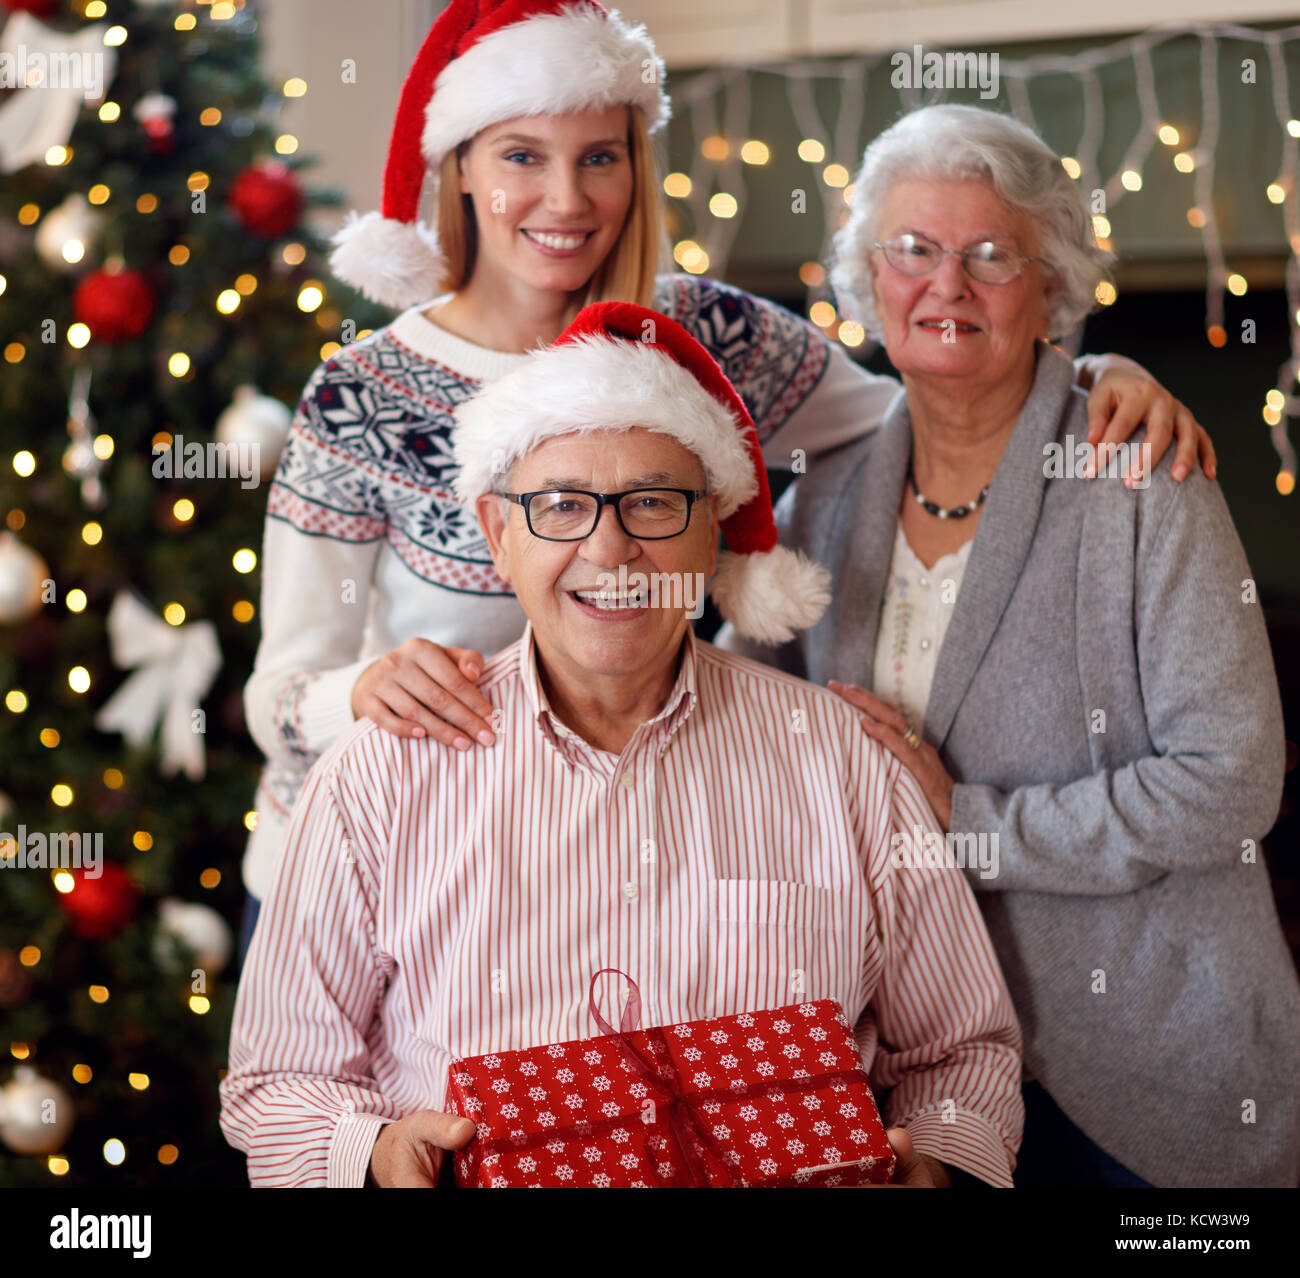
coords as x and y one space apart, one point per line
155 112
266 198
160 135
99 908
38 7
115 305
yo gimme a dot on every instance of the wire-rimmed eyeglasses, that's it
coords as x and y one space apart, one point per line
571 514
988 261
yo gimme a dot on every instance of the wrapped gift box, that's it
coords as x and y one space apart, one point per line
771 1098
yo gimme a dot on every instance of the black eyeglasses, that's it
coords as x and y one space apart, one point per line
988 261
648 514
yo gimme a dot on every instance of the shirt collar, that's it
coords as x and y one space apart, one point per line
680 702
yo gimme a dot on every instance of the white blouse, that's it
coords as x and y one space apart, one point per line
914 618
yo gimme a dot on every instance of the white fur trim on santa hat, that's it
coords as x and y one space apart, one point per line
598 383
396 263
769 596
550 64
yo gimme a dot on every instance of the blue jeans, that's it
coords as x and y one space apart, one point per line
1055 1154
252 907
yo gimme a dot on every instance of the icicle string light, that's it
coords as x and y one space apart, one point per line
841 143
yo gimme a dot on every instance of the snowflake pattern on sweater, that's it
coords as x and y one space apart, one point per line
370 452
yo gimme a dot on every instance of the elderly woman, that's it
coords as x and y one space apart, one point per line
1077 674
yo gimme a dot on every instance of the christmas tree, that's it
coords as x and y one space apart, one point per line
161 296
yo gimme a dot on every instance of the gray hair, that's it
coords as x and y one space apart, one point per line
948 142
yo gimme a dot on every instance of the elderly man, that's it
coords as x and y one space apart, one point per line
723 832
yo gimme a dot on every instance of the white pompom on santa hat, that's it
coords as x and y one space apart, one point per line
485 61
619 365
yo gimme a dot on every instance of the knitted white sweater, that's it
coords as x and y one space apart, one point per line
366 547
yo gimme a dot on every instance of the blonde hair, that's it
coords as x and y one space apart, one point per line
628 272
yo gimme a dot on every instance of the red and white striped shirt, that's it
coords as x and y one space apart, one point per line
432 904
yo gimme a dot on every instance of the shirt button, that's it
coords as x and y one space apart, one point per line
630 890
925 645
924 581
627 780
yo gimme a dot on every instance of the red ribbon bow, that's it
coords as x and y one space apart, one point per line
684 1119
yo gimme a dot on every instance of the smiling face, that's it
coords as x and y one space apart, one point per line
551 194
994 325
577 638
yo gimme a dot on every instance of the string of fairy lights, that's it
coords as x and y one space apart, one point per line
714 190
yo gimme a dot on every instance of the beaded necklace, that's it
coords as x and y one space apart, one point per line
933 508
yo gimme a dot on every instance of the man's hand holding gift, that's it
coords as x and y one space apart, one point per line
913 1170
408 1154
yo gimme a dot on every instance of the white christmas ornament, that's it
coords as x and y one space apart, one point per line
68 233
199 927
36 1114
54 74
22 574
177 665
258 421
154 106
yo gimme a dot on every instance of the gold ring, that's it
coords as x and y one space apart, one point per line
911 738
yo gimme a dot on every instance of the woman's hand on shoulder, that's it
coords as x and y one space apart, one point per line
888 725
423 689
1124 396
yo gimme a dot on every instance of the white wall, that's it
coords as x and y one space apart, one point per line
348 126
840 26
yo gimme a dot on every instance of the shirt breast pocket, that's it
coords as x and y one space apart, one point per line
773 942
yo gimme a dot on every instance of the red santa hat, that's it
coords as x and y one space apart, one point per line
620 365
485 61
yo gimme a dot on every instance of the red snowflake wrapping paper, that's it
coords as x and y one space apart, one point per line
774 1098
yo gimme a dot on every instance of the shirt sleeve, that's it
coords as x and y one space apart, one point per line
805 394
324 528
1213 717
949 1045
300 1098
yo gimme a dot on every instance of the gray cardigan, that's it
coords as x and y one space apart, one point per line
1136 929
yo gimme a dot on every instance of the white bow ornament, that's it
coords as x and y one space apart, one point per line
177 665
69 70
